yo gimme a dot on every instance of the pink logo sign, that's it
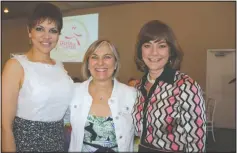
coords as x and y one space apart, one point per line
73 36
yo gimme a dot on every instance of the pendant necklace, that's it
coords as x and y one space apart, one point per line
101 98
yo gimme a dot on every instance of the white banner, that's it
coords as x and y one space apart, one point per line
76 36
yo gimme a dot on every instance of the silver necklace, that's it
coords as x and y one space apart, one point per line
149 80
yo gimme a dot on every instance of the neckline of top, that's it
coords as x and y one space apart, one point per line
46 64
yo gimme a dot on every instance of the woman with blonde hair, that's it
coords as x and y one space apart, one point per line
101 107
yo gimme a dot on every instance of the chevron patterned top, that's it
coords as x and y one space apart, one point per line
174 111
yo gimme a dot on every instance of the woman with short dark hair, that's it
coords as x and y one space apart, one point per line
36 89
169 114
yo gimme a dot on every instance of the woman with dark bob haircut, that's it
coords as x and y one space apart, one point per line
169 113
36 89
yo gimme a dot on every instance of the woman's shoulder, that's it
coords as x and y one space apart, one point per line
79 89
126 91
126 87
79 85
182 78
13 64
12 72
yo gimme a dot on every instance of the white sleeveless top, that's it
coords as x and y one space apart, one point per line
46 91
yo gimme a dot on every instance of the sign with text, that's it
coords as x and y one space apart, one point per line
78 33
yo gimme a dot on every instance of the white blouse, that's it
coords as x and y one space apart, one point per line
46 91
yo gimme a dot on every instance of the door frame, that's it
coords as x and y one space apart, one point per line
209 51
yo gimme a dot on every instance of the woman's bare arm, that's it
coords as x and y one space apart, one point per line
12 77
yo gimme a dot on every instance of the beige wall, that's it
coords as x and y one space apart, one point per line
198 26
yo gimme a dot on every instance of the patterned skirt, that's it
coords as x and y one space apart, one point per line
36 136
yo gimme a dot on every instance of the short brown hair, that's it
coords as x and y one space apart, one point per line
45 11
92 48
157 30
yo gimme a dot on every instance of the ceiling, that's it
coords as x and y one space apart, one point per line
23 9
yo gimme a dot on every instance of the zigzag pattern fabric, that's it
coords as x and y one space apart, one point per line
175 115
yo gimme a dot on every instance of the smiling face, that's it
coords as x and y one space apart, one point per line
102 62
44 36
155 55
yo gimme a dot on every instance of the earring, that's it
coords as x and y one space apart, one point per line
170 62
